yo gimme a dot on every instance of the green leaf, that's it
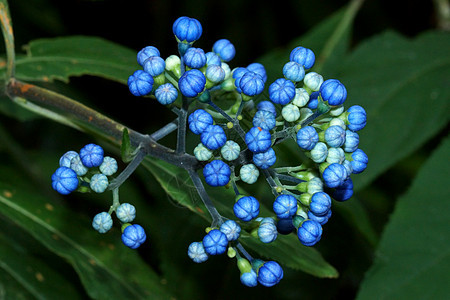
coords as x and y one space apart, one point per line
413 257
11 289
286 250
62 57
95 260
403 86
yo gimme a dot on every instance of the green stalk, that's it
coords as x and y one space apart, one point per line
8 36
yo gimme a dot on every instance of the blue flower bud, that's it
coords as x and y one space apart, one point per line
249 173
357 118
303 56
258 140
335 155
215 73
145 53
315 185
197 253
264 119
64 161
251 84
202 153
348 167
246 208
290 113
270 274
293 71
249 279
321 220
154 65
102 222
344 191
213 59
307 138
319 153
285 206
91 155
265 160
187 29
309 233
192 83
199 120
224 49
267 106
301 97
108 166
213 137
126 213
351 141
333 92
231 229
133 236
215 242
166 94
313 100
77 166
140 83
360 161
217 173
334 175
230 151
267 232
64 180
282 91
313 81
238 73
258 69
285 226
195 58
99 183
335 136
320 204
338 122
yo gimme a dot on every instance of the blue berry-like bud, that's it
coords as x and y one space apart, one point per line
285 226
320 204
126 213
264 119
166 94
348 167
64 161
133 236
187 29
270 274
290 113
303 56
335 136
293 71
195 58
335 155
64 180
258 140
224 49
351 141
309 233
360 161
334 175
357 118
145 53
197 253
319 153
313 81
91 155
265 160
258 69
213 59
307 138
154 65
231 229
251 84
99 183
199 120
249 173
249 279
282 91
202 153
230 151
102 222
192 83
213 137
315 185
301 97
108 166
333 91
246 208
215 73
285 206
321 220
267 231
140 83
267 106
77 166
313 100
217 173
215 242
238 73
344 191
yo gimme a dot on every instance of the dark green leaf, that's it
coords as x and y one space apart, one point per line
413 257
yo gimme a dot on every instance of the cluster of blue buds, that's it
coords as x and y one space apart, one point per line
87 171
300 106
